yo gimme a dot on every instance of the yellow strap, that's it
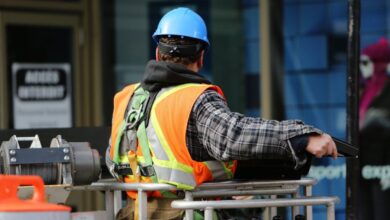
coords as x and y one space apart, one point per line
133 164
131 155
136 208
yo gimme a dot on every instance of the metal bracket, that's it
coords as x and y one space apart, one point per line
39 155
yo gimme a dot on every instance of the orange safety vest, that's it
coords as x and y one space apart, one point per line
166 134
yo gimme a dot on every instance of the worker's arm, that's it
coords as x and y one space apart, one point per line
229 135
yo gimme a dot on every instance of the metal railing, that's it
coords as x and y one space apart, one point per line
113 195
113 199
265 187
209 206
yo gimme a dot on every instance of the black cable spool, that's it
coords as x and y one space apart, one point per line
73 163
48 172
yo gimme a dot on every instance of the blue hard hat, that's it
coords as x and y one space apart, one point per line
182 22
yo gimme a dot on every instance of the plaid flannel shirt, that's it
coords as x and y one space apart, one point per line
216 133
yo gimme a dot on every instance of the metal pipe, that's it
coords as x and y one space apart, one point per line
109 201
256 203
265 60
308 209
246 184
208 213
112 185
273 210
295 209
224 192
353 56
26 138
117 201
142 205
189 213
330 211
133 186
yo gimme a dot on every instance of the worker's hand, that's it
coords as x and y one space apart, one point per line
242 197
321 145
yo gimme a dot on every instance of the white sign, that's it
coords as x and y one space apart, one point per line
41 95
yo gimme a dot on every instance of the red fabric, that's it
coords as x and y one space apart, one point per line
379 54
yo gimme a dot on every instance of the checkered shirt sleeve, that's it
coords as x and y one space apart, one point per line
215 132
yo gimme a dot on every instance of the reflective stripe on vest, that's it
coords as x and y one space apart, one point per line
219 170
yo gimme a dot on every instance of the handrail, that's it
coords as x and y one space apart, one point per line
106 185
113 194
244 192
215 189
135 186
253 187
255 183
254 203
111 184
209 206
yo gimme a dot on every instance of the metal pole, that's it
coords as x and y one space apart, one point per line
353 104
330 211
117 201
265 60
295 208
271 59
273 210
208 213
255 184
142 205
255 203
109 200
189 213
308 209
242 192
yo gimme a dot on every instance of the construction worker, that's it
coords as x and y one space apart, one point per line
175 126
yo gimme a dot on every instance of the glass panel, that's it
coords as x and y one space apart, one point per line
315 51
315 71
135 22
39 61
39 44
374 110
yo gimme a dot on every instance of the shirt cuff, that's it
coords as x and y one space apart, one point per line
299 143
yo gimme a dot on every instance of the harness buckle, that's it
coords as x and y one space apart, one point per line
123 169
147 171
134 117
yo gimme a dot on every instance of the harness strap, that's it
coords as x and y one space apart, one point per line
134 120
144 143
136 128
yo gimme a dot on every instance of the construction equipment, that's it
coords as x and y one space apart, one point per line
73 163
11 207
63 163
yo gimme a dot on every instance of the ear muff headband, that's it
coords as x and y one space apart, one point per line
180 50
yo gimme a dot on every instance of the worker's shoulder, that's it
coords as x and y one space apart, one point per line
208 95
128 87
126 91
